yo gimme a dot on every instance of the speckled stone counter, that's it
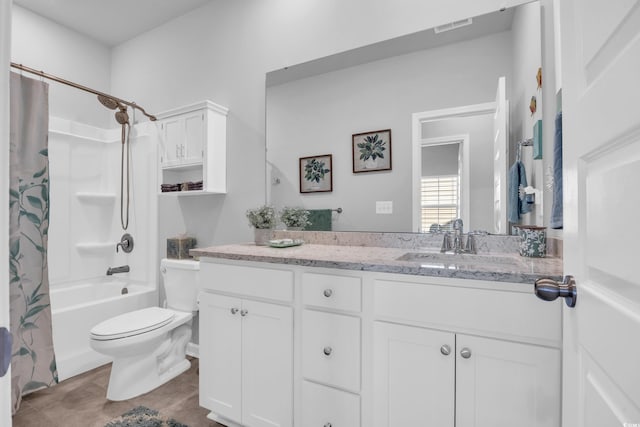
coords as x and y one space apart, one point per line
422 261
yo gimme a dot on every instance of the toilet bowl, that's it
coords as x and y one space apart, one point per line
148 345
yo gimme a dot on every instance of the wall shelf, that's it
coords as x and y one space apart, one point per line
96 198
95 248
188 193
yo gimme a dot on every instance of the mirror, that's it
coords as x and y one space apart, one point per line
313 109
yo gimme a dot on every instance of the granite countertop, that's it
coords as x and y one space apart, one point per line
503 267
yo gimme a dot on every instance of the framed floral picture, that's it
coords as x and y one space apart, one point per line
371 151
316 174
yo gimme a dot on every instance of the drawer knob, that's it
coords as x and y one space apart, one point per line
243 313
234 310
327 424
465 353
328 292
327 351
445 349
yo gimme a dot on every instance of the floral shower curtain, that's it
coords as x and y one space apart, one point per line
33 363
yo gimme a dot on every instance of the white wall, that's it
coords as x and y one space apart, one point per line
222 52
318 115
5 40
480 131
440 159
44 45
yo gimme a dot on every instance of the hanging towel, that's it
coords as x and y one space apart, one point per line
556 207
516 206
320 220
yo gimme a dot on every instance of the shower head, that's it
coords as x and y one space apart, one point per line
108 102
121 116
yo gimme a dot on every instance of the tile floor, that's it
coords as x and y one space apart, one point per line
80 402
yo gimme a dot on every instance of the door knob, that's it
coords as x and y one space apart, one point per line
243 312
445 349
234 310
465 353
548 290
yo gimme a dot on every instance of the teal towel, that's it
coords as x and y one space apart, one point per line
320 220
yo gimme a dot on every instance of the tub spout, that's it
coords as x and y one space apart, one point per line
121 269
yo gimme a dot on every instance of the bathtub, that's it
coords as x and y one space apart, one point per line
78 307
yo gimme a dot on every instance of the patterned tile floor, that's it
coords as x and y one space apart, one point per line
80 402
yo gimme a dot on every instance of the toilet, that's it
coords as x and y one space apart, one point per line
148 345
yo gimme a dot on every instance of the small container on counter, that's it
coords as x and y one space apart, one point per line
533 240
178 247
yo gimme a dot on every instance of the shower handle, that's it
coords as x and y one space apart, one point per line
126 243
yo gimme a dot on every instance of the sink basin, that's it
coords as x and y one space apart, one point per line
459 259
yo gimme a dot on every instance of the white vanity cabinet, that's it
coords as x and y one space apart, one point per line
488 360
246 345
193 146
331 349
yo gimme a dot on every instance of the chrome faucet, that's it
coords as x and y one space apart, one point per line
458 246
121 269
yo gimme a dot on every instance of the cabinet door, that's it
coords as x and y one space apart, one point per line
220 355
413 377
267 365
192 151
173 133
505 384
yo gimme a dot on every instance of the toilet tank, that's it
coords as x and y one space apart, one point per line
181 283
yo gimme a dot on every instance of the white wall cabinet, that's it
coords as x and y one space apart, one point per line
246 354
194 141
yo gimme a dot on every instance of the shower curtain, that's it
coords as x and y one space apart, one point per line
33 363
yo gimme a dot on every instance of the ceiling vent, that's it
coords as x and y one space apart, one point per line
453 25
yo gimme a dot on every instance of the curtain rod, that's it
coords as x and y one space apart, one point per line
81 87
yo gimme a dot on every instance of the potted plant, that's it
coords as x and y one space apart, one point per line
295 218
263 219
372 148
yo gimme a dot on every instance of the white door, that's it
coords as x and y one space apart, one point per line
601 129
173 136
414 376
194 137
500 159
267 364
220 355
504 384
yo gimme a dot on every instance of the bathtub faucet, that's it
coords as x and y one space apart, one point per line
121 269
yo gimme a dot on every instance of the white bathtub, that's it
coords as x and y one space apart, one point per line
78 307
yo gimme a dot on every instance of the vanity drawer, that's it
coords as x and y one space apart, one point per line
247 281
331 349
325 406
332 291
500 313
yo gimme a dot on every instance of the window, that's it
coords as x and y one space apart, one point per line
440 201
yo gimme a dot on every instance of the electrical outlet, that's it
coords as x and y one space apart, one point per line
384 207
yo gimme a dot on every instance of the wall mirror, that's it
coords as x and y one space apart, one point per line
314 109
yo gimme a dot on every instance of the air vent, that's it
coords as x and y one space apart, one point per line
453 25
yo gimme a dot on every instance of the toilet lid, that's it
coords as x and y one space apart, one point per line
132 323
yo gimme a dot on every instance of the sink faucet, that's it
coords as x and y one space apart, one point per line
121 269
458 235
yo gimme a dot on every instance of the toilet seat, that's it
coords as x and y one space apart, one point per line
132 323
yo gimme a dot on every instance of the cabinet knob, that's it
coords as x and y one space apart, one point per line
327 351
465 353
328 292
234 310
327 424
243 313
445 349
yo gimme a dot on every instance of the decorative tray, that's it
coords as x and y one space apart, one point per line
285 243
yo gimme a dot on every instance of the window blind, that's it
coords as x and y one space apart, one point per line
440 201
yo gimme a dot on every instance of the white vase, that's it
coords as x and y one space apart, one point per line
262 236
370 163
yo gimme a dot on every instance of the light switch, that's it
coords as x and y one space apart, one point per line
384 207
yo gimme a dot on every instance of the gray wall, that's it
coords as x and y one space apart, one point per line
440 159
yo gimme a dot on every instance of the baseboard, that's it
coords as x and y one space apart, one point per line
193 350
